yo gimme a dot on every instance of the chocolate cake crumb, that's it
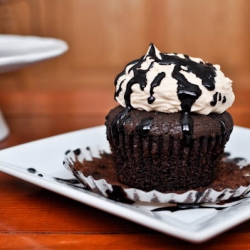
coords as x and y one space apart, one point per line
150 152
230 174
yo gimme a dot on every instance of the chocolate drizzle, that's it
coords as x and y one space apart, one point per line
216 98
156 82
144 126
187 92
223 128
214 101
31 170
204 71
119 90
119 121
139 77
187 127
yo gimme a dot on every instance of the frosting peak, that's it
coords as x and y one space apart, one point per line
172 83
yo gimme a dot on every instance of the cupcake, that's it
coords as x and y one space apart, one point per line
170 128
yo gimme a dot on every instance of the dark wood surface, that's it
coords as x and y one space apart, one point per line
34 218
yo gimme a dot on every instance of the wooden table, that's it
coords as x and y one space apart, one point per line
34 218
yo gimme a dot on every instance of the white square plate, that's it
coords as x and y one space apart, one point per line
194 224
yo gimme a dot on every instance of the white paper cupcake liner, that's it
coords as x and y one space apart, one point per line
117 192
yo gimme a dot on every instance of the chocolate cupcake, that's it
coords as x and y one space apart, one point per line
171 126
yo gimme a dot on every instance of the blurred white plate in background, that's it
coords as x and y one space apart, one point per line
4 129
17 52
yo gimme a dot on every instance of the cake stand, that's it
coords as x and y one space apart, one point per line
17 52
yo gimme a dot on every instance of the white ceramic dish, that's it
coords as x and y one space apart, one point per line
195 224
17 52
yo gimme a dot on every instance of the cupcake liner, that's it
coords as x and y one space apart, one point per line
117 191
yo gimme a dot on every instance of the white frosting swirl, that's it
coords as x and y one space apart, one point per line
168 91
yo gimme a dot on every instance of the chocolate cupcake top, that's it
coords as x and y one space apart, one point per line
173 82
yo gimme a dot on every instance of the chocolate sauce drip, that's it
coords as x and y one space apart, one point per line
236 160
139 78
223 128
156 82
182 206
214 101
187 127
226 154
144 126
67 181
219 97
204 71
187 92
67 151
119 89
123 72
119 122
77 151
31 170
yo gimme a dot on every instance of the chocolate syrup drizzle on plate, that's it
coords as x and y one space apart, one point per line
187 92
